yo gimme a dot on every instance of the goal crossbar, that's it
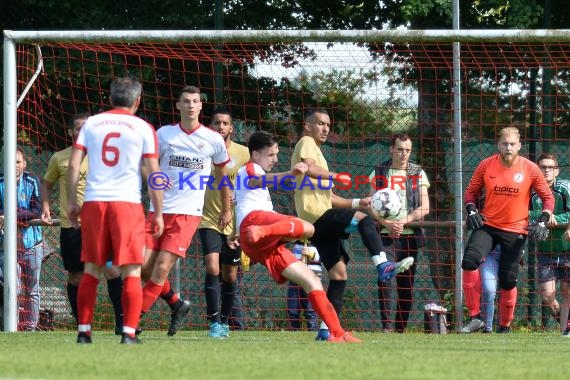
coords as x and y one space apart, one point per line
213 36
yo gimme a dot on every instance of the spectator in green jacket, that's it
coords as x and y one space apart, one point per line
554 253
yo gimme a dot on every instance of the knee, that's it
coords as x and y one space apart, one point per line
338 272
146 273
507 282
469 262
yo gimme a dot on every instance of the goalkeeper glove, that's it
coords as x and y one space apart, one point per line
537 230
474 219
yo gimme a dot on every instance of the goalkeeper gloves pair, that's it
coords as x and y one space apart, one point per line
537 230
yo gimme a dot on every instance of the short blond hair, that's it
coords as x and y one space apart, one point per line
509 131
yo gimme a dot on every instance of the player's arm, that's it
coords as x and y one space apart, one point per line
543 190
51 176
225 192
150 165
274 180
538 230
72 181
423 209
315 171
47 189
472 194
34 208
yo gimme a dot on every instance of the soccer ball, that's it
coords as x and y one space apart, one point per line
386 203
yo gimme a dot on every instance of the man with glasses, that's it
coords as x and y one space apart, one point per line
554 253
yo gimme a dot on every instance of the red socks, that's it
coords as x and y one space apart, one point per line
150 293
132 302
167 294
325 310
86 297
472 291
507 302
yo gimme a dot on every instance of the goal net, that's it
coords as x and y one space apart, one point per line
373 88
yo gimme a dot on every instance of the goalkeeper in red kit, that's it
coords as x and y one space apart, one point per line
507 180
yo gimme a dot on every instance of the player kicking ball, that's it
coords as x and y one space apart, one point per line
264 232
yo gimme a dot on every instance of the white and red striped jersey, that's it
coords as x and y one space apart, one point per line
115 142
247 199
187 158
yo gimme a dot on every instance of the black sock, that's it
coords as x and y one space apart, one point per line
369 235
115 289
228 296
335 294
212 293
72 291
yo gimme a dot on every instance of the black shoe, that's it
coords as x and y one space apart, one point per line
83 338
504 330
474 325
127 339
566 333
177 315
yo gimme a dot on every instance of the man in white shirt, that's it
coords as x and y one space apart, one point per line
187 151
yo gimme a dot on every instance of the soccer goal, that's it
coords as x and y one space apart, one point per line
451 99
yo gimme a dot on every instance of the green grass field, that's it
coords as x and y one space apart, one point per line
285 355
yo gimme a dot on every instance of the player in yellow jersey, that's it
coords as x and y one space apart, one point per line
213 236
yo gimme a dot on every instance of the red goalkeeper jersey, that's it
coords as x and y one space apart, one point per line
507 192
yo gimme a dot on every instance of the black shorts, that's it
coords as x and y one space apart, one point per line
214 241
484 240
70 247
329 234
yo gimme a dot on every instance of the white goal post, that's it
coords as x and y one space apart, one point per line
12 38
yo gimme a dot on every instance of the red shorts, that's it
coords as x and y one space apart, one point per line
112 231
271 250
178 232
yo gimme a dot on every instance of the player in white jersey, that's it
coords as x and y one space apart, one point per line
264 232
118 146
187 151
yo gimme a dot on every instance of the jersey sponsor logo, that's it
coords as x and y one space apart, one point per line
193 163
506 190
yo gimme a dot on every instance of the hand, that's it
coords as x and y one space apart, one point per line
73 210
157 225
225 219
365 202
474 219
552 222
396 228
537 231
232 240
567 235
46 217
299 168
